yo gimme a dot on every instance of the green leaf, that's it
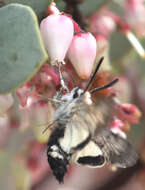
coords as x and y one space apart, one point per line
134 60
119 46
21 48
39 6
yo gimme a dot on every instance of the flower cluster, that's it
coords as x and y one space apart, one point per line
63 38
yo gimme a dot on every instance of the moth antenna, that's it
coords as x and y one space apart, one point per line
49 99
94 74
61 78
104 87
38 125
53 100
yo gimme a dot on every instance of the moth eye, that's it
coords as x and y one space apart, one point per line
64 100
75 95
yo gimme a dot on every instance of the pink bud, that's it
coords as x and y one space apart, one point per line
129 113
23 93
82 53
57 33
117 128
135 15
103 22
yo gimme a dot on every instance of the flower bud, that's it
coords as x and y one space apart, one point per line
103 22
129 113
57 33
82 53
23 93
135 15
117 126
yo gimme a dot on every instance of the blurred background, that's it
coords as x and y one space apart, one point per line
119 29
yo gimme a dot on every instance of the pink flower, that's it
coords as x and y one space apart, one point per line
128 113
57 33
135 15
82 53
23 93
103 22
117 128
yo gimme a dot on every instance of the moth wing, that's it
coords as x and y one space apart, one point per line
104 111
91 156
116 150
87 121
94 117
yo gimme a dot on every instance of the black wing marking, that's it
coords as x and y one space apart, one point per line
116 150
91 156
92 161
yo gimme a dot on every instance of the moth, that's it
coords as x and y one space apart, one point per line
80 132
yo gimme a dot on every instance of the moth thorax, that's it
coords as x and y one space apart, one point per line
87 98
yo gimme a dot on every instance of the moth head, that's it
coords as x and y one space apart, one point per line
74 94
78 93
58 162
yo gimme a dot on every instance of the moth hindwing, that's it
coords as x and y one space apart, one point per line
80 133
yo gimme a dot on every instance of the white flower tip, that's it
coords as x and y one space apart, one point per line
52 9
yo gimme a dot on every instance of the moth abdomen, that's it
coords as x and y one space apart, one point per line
58 166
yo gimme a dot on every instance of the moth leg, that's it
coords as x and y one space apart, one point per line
49 126
61 79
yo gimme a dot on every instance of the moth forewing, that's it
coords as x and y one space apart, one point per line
74 135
